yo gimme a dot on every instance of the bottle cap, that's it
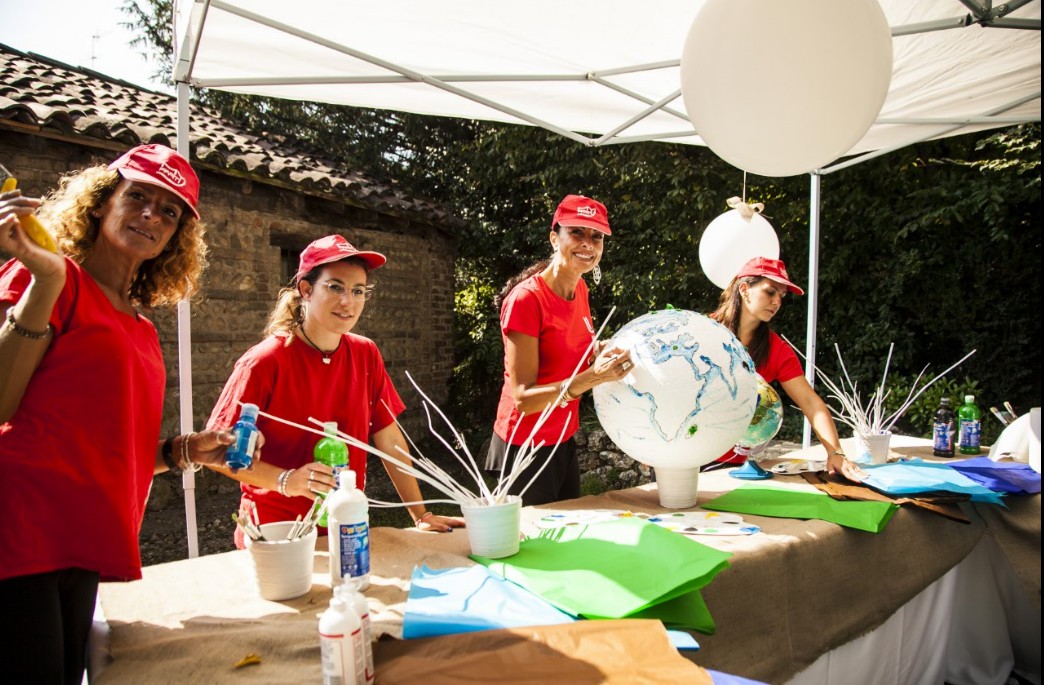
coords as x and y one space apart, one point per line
968 399
944 400
346 479
249 411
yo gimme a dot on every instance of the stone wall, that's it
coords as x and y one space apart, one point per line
255 232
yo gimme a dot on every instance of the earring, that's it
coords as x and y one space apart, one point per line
596 274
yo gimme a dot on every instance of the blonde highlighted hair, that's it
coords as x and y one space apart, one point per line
69 211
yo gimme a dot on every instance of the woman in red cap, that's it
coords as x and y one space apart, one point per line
312 365
545 321
746 307
82 383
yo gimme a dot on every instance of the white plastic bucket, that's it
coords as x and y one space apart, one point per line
494 529
677 487
283 567
874 448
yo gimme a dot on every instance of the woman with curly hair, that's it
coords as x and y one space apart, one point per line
82 382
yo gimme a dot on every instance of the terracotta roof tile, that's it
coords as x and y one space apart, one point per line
79 102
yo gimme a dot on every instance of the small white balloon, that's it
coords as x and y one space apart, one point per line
730 241
783 88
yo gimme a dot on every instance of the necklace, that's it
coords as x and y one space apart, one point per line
326 355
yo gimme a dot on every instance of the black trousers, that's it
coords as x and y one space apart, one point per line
47 617
558 481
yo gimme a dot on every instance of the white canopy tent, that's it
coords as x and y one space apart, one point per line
600 72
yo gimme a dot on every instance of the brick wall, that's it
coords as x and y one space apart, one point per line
249 224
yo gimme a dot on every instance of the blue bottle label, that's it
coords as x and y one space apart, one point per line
942 436
241 452
970 433
355 549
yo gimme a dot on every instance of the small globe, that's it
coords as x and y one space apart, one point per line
768 417
689 397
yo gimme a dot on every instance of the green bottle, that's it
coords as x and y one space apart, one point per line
969 426
332 452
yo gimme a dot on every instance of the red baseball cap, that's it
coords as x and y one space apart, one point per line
577 210
158 165
334 248
773 269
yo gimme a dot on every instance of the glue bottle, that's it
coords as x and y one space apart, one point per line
241 452
349 531
334 453
357 600
340 644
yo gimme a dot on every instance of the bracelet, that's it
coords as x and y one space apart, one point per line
424 517
25 332
567 396
186 459
839 453
167 450
281 481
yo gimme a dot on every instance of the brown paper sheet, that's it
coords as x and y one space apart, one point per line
622 652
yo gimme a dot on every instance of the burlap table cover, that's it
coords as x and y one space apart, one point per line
792 592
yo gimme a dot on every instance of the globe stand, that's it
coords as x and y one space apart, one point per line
677 487
750 469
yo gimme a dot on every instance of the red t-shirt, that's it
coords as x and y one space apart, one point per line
292 382
564 331
77 456
781 365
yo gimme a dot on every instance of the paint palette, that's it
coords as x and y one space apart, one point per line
792 467
685 522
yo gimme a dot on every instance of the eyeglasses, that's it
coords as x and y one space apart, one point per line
340 292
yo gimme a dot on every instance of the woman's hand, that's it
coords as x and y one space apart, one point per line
838 464
611 364
439 524
310 481
46 267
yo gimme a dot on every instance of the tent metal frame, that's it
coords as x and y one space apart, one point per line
981 13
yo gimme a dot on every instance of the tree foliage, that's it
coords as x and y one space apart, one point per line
935 247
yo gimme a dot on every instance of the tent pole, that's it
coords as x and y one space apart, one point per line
813 292
188 477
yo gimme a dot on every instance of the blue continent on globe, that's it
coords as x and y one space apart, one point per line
689 397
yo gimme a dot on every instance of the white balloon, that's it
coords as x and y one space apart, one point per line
779 88
730 241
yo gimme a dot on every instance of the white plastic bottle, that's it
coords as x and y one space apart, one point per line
357 600
340 642
349 530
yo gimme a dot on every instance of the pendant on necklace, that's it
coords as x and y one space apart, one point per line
326 360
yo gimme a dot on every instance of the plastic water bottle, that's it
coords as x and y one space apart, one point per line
944 429
241 452
340 644
334 453
349 540
357 600
969 426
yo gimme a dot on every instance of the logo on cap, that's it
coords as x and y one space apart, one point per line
171 175
586 211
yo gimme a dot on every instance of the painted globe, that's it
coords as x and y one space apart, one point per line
689 397
768 417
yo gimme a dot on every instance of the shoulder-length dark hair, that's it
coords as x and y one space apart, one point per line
730 307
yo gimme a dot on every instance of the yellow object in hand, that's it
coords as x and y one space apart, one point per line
30 224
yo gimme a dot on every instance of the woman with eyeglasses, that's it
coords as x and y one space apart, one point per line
746 307
312 365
